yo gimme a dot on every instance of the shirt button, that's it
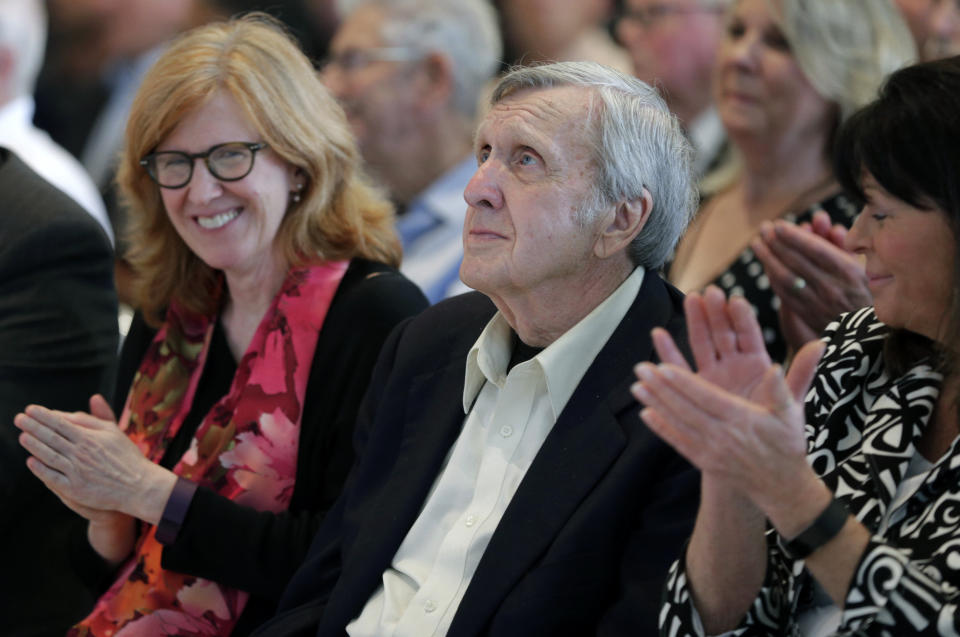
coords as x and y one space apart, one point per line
429 606
506 431
470 520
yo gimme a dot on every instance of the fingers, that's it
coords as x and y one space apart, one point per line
667 349
745 326
38 416
100 408
40 443
803 368
722 334
698 331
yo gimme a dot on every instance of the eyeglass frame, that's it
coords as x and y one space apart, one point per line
652 15
253 147
367 56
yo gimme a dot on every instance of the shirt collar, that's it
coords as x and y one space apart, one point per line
563 362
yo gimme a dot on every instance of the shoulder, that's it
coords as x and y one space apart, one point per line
855 335
38 214
372 293
449 328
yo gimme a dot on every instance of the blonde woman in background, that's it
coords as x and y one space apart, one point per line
788 73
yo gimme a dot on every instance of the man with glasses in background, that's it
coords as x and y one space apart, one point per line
409 74
673 44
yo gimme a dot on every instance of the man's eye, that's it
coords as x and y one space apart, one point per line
483 156
527 160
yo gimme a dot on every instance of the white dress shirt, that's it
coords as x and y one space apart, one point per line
48 159
508 417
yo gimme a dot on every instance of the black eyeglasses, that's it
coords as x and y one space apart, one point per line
230 161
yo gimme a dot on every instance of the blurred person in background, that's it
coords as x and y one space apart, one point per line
58 345
23 33
265 273
935 25
788 72
673 45
409 74
102 48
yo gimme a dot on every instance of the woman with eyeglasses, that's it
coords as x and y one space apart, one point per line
266 284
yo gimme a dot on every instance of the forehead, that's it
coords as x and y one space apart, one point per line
556 117
361 29
219 119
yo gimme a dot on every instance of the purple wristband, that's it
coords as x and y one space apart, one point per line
176 510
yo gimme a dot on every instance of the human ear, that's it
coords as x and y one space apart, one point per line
622 223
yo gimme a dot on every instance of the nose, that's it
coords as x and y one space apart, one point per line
741 51
203 187
483 189
857 238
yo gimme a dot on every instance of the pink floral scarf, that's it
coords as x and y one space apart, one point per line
245 448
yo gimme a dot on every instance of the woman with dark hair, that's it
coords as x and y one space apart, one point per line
861 484
265 274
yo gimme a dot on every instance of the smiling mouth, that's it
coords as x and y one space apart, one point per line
218 221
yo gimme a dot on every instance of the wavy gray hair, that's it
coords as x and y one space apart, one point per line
636 143
846 49
466 31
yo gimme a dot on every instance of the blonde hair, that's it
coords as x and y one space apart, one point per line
340 215
846 48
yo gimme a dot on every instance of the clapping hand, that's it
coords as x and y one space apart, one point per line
815 278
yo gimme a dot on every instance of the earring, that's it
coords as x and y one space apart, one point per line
295 195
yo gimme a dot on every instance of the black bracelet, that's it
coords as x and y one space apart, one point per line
821 531
175 510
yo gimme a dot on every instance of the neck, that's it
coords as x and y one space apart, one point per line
784 175
539 317
437 149
249 294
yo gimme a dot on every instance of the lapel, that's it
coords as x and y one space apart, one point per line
432 419
585 441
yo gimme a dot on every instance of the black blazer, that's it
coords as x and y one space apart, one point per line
58 345
583 547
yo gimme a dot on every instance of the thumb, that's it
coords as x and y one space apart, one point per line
100 408
803 368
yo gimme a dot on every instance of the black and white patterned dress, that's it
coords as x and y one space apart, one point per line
862 429
746 276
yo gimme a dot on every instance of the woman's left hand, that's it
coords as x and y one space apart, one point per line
815 278
87 460
757 446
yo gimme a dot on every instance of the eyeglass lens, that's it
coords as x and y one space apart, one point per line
228 162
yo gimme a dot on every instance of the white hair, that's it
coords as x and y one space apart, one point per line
846 48
23 31
637 143
465 31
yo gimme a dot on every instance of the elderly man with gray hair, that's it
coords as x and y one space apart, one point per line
504 483
409 74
